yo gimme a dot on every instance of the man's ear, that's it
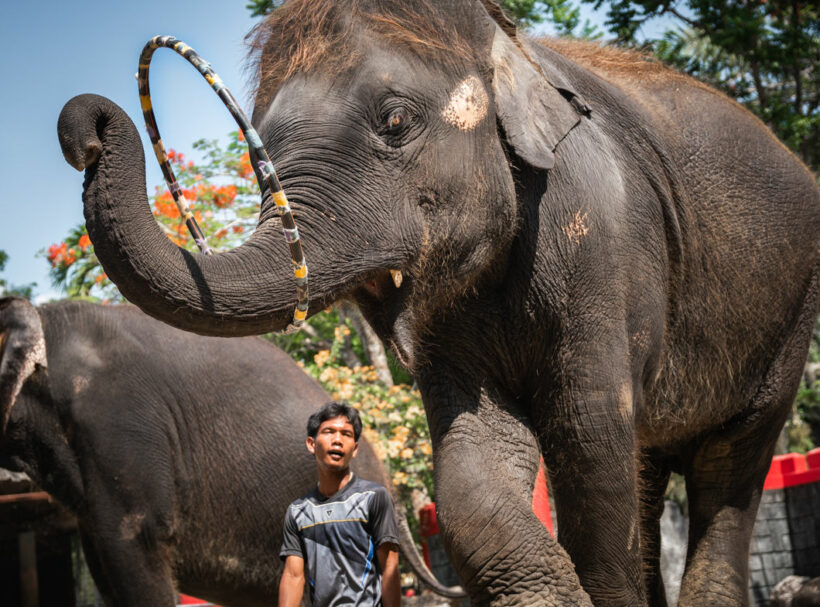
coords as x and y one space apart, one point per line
534 114
310 443
356 449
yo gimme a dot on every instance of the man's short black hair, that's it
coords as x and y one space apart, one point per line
331 410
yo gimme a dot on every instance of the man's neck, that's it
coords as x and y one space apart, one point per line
331 482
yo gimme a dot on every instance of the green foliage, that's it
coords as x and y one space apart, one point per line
803 428
260 8
762 53
7 289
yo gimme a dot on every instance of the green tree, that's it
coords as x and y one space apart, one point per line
763 53
6 289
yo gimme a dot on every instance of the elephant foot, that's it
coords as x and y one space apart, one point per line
549 597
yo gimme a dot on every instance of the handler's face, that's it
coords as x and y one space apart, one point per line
334 445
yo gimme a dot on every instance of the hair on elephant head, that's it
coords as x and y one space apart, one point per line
576 251
177 457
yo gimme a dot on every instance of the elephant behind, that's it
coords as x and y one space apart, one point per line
179 454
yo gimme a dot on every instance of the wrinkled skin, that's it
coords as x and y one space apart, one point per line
179 454
604 262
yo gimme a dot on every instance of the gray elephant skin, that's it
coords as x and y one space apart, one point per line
604 262
179 454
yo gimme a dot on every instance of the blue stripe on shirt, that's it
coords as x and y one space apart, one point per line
368 562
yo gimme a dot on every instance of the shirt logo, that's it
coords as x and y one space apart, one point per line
328 512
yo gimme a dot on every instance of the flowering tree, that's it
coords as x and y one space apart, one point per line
226 206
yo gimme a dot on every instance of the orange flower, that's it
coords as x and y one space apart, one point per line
165 207
84 242
240 136
238 229
55 252
245 168
180 242
221 234
224 195
100 278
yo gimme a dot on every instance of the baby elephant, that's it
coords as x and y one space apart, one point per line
179 454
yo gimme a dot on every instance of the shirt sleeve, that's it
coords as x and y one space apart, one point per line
383 519
291 545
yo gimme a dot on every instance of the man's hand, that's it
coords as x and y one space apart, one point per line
388 555
292 583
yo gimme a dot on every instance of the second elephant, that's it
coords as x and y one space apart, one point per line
179 454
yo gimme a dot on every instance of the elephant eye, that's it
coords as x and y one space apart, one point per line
396 120
397 125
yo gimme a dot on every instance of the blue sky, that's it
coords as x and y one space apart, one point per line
52 51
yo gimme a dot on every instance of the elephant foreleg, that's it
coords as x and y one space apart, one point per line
486 460
725 472
653 478
128 572
124 542
96 568
588 444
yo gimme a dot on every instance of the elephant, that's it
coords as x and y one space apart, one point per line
577 252
178 454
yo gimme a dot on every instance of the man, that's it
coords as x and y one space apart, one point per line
342 535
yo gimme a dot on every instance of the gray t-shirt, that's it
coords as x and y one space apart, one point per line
337 537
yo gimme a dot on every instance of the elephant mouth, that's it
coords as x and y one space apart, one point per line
381 286
385 306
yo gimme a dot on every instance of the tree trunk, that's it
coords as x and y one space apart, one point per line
372 344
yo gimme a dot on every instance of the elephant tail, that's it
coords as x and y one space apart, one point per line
416 562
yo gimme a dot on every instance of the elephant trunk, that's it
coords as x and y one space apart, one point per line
249 290
417 564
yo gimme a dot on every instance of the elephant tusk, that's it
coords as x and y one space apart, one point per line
397 277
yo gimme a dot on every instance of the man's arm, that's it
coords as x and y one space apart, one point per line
292 583
388 555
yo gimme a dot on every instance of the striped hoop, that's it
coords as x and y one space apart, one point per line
265 173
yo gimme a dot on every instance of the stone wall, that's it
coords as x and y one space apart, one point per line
786 539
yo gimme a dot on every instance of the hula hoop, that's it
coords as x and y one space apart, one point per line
263 169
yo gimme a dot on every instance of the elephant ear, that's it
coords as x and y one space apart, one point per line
22 350
534 114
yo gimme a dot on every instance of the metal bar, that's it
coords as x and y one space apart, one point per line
15 498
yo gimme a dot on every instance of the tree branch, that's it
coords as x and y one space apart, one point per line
372 344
